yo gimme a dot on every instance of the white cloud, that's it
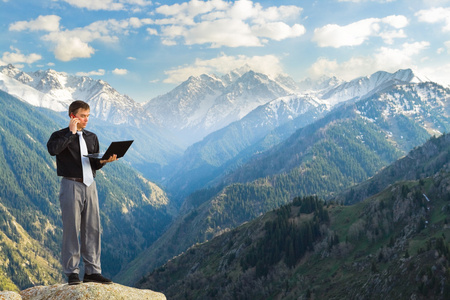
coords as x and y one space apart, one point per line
278 30
70 47
436 3
268 64
359 1
96 4
112 5
192 8
168 42
45 23
99 72
232 24
117 71
436 15
390 58
16 56
390 36
224 32
355 34
396 21
438 74
384 58
333 35
447 46
152 31
109 4
138 2
76 43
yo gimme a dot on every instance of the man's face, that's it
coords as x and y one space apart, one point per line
83 116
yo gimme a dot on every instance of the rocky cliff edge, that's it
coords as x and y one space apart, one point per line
85 291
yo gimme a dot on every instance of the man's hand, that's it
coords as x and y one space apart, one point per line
110 159
73 125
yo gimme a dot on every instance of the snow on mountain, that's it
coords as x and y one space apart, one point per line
234 75
56 90
206 103
329 91
424 102
321 84
282 110
185 105
287 82
200 105
366 86
242 96
14 82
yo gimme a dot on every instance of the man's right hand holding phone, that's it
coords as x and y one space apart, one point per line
73 125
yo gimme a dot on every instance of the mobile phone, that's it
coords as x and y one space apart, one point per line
73 116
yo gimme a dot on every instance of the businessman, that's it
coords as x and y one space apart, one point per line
78 195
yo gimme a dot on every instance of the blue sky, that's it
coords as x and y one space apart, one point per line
145 48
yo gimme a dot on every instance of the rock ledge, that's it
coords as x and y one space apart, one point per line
84 291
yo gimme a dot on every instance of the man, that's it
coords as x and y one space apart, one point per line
78 195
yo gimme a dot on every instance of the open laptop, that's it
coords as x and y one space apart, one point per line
119 148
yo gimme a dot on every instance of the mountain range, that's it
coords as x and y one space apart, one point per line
346 146
207 103
214 153
271 123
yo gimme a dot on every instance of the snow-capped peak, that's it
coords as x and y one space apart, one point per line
206 103
56 90
365 86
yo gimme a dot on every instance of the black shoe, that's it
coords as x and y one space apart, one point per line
73 279
96 278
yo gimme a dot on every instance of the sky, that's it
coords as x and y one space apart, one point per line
145 48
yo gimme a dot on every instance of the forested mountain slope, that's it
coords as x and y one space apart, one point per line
393 245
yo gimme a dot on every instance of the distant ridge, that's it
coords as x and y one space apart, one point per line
271 123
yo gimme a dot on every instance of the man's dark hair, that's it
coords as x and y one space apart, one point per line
76 105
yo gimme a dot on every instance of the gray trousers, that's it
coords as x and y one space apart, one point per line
81 227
